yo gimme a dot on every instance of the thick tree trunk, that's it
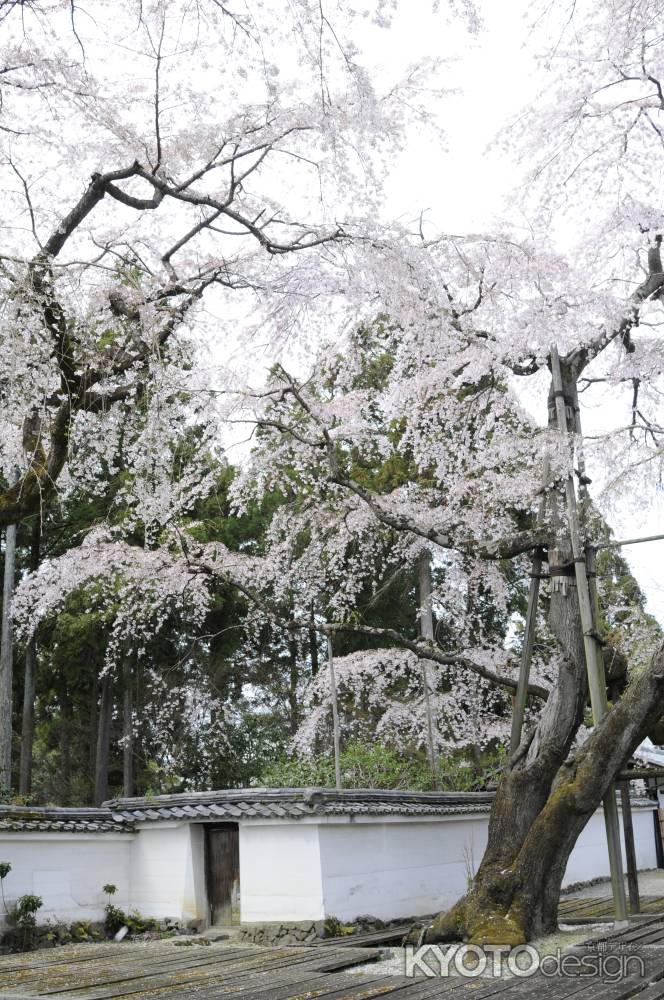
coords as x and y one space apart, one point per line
102 756
28 717
6 661
92 730
514 896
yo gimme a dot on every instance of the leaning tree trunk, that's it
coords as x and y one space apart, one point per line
533 827
545 796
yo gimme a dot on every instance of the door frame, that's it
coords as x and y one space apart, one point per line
209 828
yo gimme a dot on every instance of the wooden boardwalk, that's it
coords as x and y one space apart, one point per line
586 908
165 970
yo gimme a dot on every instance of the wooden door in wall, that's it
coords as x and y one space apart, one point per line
222 871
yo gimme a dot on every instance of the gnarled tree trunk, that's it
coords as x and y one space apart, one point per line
536 820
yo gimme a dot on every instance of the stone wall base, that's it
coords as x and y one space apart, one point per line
300 932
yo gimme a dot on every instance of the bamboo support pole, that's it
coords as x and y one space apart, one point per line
519 709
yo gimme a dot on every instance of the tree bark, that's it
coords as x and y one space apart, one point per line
29 684
92 733
313 646
6 661
64 701
102 756
515 894
293 678
28 717
127 733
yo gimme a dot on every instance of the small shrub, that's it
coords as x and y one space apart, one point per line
23 916
139 925
115 918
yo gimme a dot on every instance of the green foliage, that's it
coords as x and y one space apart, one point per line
83 930
114 919
5 868
23 916
333 928
377 766
139 925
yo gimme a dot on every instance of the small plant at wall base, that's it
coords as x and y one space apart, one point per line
5 869
23 916
115 917
110 890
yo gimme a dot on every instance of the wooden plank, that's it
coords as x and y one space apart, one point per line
105 983
128 957
386 935
71 953
150 981
324 987
56 976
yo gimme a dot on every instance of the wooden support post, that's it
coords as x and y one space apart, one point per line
426 630
335 714
593 652
630 850
519 707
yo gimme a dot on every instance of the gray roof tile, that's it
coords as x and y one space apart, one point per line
296 803
23 819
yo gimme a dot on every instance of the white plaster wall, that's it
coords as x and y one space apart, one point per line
280 872
590 858
67 871
168 871
399 869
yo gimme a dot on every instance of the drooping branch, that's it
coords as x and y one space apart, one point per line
507 547
424 649
650 289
